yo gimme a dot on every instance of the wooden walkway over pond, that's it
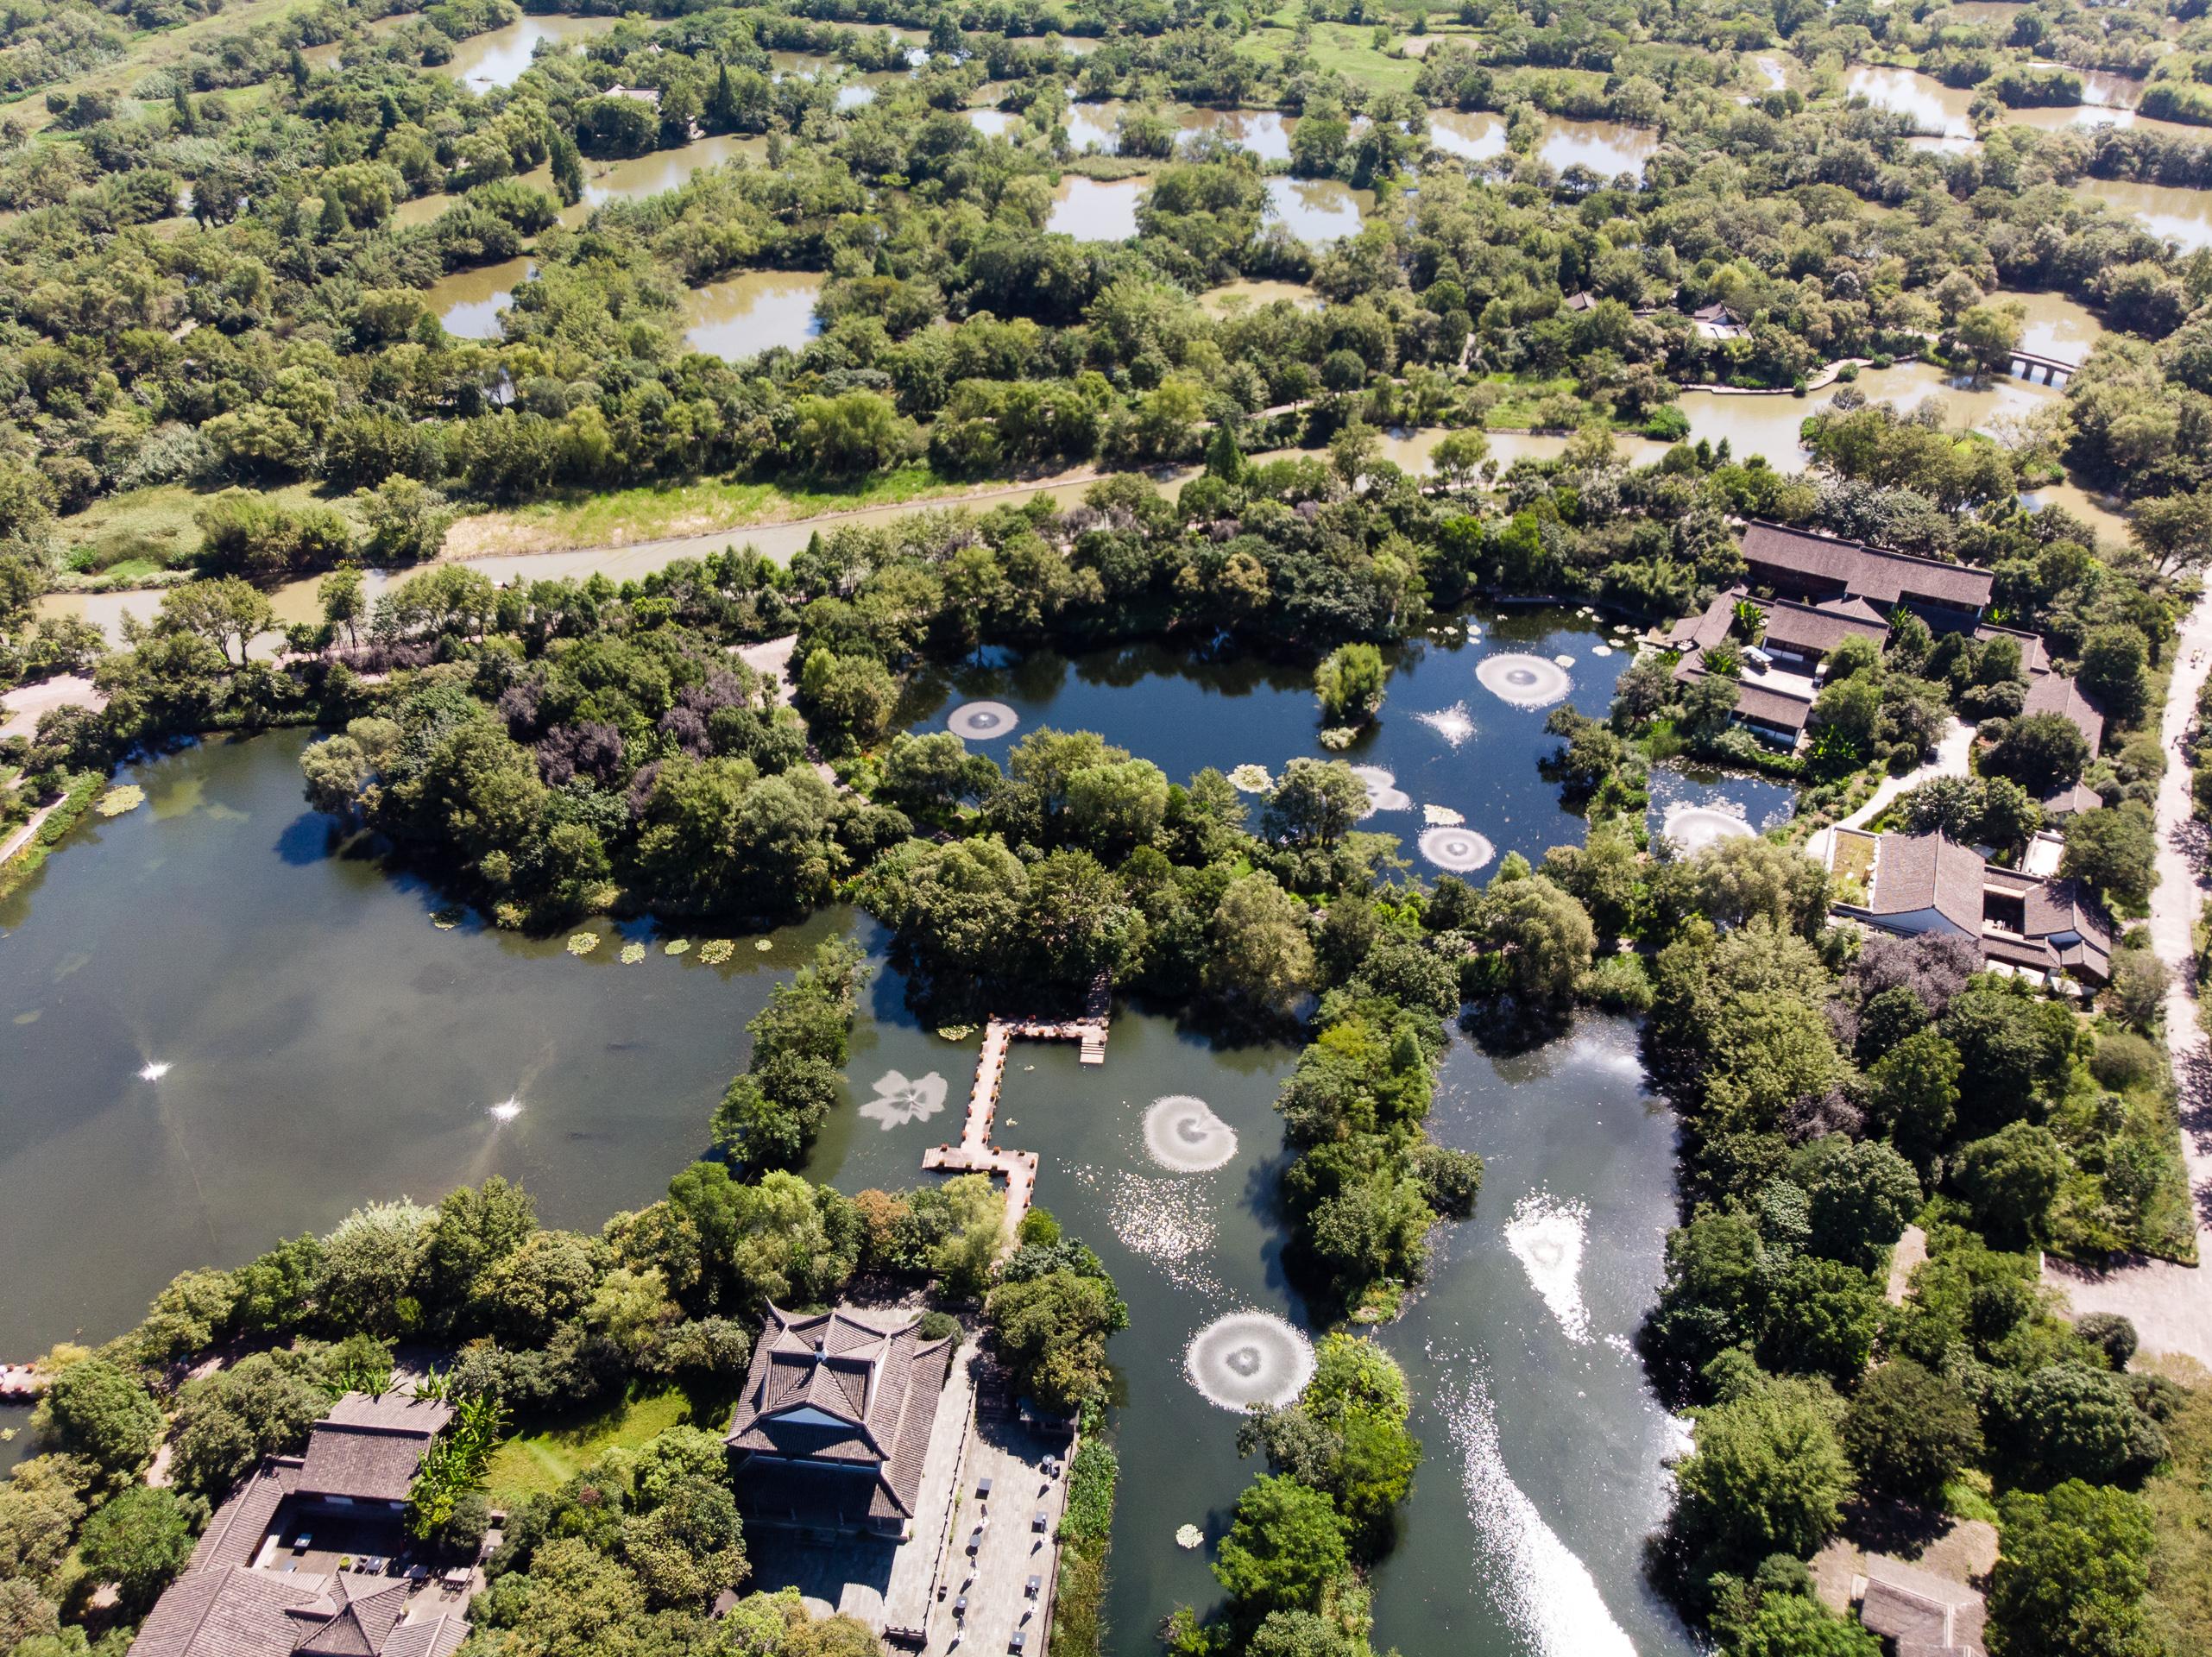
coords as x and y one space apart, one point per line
975 1154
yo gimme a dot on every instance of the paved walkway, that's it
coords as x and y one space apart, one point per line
25 835
2172 1305
1951 751
22 707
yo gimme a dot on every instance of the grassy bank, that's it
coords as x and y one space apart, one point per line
703 507
76 800
1085 1532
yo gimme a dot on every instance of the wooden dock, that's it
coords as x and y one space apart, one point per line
975 1154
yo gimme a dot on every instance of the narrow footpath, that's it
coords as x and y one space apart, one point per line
2172 1305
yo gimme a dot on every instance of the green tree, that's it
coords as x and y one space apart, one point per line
1052 1330
1821 1319
1768 1475
1315 802
2071 1573
229 614
2064 1420
1862 1194
1798 1625
1350 683
96 1410
1285 1550
2114 852
226 1422
1909 1431
2042 752
138 1540
1263 955
2012 1178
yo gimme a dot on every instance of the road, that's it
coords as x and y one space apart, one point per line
2172 1305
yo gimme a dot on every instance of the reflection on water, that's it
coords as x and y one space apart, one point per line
1443 741
753 313
2181 215
632 178
499 57
2055 326
1093 210
1938 111
665 169
327 1046
468 302
1934 107
1471 134
993 123
1265 133
1546 1449
1094 126
1317 209
1607 148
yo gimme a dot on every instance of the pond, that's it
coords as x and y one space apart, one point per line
1606 148
632 178
1095 209
324 1043
1444 739
1265 133
2055 325
1318 210
753 313
1940 111
499 57
2182 216
467 304
1544 1450
1935 108
1471 134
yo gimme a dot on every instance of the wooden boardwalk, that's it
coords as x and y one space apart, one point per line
975 1154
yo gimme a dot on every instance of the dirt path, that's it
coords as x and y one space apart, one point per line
2172 1305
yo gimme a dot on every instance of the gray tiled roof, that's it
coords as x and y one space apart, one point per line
368 1448
1917 1608
1815 630
234 1535
1919 872
231 1612
2054 693
1869 572
840 1390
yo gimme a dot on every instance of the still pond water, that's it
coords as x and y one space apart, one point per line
325 1043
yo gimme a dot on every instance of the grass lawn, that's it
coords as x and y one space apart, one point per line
145 530
1348 50
530 1463
154 49
699 507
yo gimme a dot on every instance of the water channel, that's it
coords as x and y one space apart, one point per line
325 1043
1752 426
499 57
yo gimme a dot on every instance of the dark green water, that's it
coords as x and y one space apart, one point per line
1442 738
329 1045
